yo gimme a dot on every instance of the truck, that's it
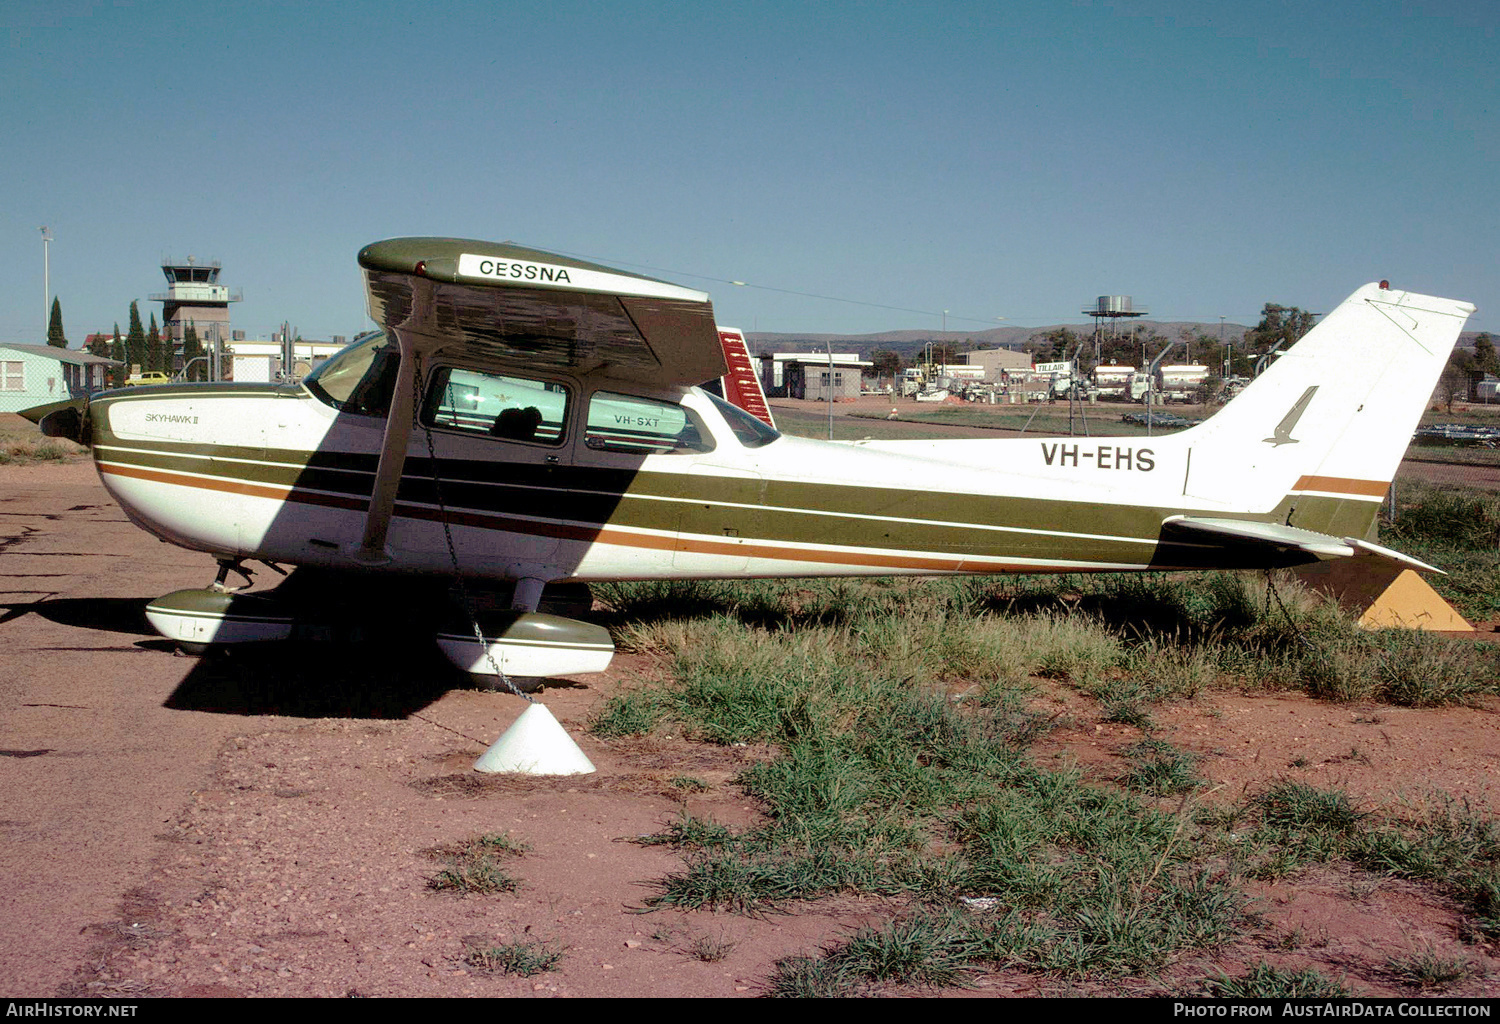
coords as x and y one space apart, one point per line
1058 375
1178 383
1113 382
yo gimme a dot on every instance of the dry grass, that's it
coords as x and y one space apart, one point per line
21 442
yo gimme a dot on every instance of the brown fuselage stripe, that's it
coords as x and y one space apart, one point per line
1341 485
563 531
235 487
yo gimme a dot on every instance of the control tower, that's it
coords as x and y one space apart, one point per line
195 297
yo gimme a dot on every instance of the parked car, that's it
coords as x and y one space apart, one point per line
154 377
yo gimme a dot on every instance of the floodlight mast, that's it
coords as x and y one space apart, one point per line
46 280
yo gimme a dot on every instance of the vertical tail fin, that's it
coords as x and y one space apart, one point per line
1326 426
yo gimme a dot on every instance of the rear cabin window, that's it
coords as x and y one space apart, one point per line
510 408
643 426
751 430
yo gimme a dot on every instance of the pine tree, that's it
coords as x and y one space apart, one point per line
135 342
192 349
1484 353
153 348
55 328
117 352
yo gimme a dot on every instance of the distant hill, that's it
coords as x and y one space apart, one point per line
908 342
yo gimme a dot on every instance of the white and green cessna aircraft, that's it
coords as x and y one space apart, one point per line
525 421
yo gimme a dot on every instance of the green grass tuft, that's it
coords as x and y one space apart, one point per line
1263 981
1427 970
630 713
1161 769
525 958
471 866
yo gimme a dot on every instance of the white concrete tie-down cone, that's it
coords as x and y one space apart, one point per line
535 744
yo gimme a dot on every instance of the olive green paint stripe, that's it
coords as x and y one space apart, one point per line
1121 534
586 514
898 559
219 390
784 508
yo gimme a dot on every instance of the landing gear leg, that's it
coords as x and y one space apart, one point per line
528 594
227 566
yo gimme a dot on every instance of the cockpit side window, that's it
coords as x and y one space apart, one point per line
510 408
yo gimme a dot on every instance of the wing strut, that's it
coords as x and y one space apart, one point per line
372 550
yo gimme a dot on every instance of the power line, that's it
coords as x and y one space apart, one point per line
772 288
988 321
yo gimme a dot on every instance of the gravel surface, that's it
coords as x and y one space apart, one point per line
270 823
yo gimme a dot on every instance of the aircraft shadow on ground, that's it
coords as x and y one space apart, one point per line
318 680
114 614
299 679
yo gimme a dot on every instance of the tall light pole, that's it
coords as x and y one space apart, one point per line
830 389
46 281
1228 359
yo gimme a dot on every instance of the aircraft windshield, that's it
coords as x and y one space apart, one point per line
359 378
751 431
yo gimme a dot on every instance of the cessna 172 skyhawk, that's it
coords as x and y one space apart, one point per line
525 419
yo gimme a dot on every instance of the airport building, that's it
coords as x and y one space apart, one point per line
262 360
996 361
36 374
815 376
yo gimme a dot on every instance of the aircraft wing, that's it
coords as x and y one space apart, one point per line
504 303
1187 539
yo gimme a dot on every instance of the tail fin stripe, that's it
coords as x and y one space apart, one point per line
1340 485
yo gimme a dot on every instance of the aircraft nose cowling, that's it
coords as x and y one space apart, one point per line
62 419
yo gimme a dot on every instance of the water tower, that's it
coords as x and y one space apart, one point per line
1112 308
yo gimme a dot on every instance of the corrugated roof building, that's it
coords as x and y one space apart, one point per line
37 374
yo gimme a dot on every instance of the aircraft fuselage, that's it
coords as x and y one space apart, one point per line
272 473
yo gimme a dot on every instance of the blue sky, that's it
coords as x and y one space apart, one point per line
989 159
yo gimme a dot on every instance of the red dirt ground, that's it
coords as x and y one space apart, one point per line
258 825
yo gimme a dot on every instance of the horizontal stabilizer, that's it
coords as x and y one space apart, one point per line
1188 541
1271 537
1395 556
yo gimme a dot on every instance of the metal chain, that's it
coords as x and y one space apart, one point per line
1297 632
437 490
